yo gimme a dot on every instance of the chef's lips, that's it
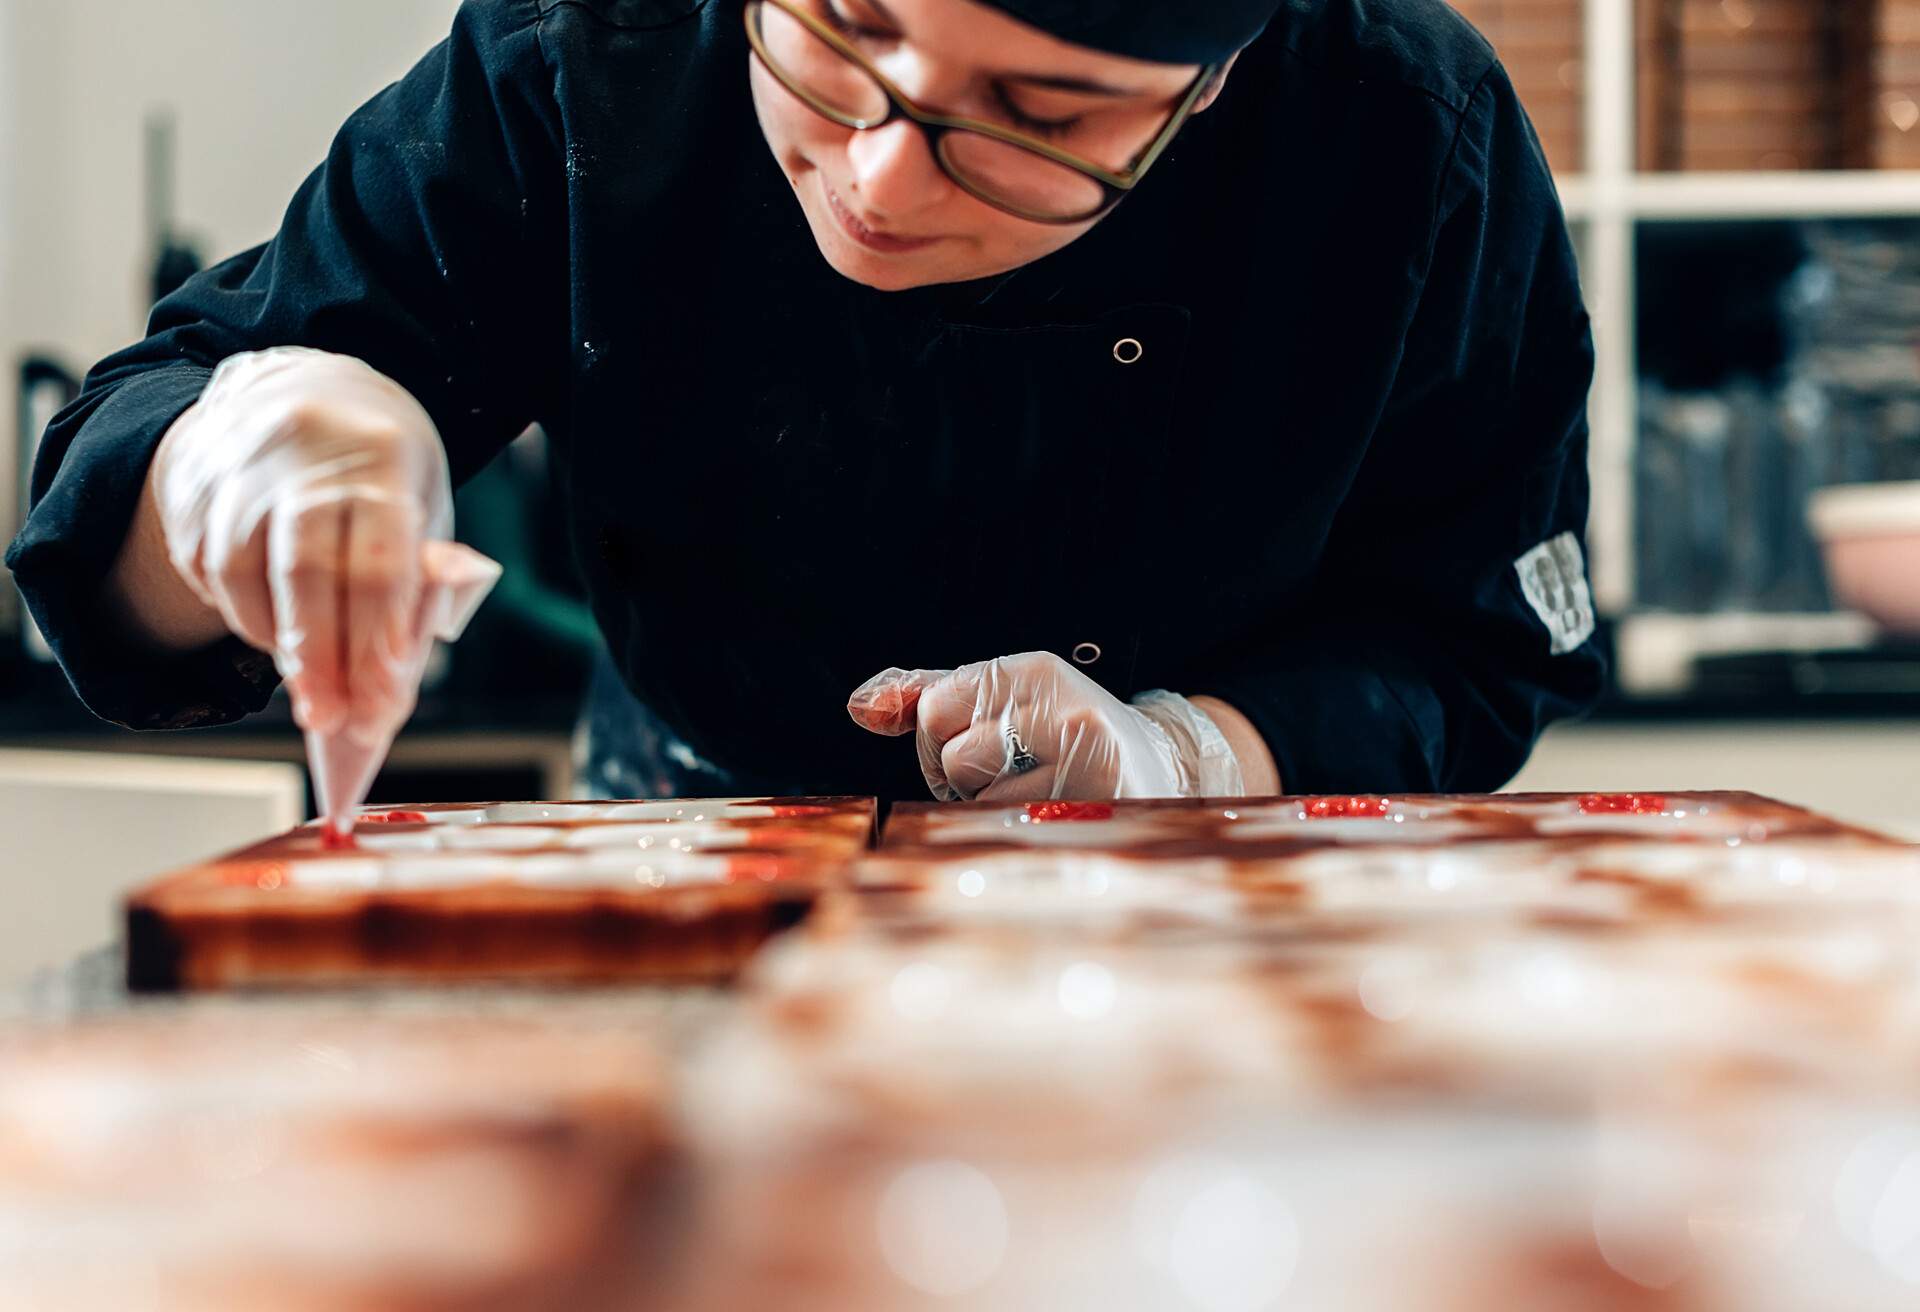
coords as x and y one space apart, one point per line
1164 31
455 580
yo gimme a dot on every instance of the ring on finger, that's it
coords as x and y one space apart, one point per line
1020 757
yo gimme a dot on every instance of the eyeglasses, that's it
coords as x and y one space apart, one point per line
1017 172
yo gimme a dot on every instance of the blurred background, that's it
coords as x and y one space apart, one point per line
1742 180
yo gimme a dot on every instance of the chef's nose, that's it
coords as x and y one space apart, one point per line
893 169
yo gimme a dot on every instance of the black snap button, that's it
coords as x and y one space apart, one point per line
1086 653
1128 350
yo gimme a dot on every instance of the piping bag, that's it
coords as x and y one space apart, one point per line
454 580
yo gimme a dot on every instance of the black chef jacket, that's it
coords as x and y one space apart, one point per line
1341 487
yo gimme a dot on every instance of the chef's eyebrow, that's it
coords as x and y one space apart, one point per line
1052 82
1075 84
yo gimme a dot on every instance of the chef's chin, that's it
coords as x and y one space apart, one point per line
895 272
886 273
957 258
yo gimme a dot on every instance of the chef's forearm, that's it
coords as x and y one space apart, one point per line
1257 766
146 595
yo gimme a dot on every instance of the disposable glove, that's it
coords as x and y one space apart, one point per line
306 498
1032 727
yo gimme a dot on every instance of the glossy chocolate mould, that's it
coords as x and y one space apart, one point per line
1256 828
1370 1212
848 1032
1339 889
987 1014
244 1159
556 892
906 1115
1638 1050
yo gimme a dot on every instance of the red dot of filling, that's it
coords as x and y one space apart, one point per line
1042 812
1622 804
1347 808
332 840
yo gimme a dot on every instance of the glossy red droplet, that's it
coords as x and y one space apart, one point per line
1347 808
332 840
1041 812
395 818
1622 804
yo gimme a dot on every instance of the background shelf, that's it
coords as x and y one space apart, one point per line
1775 195
1853 193
1660 84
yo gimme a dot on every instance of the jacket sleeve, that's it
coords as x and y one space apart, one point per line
1452 619
430 243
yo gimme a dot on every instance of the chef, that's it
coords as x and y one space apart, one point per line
1124 398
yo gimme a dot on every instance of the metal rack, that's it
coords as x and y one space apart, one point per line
1607 203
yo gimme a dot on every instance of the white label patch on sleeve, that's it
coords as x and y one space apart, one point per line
1554 577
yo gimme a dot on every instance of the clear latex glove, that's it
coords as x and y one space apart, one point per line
975 726
296 497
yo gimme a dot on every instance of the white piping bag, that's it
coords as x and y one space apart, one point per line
454 580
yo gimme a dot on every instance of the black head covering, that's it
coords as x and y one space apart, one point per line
1167 31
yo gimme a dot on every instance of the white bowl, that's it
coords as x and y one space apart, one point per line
1870 534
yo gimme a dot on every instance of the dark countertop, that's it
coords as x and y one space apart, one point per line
1621 709
1874 683
36 703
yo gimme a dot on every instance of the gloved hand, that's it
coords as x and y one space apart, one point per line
298 497
1031 727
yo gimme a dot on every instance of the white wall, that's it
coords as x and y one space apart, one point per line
84 829
258 87
12 248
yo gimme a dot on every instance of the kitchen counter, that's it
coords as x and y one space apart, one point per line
518 746
38 704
